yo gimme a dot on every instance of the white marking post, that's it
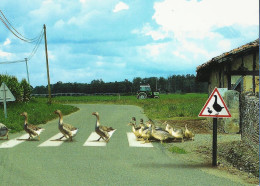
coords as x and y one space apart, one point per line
134 143
13 142
92 140
53 142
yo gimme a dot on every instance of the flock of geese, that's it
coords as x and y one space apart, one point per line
68 131
144 131
148 132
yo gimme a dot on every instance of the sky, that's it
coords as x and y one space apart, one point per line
115 40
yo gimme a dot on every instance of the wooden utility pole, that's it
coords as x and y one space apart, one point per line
27 71
47 64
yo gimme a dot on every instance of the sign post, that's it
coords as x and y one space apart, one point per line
5 95
215 107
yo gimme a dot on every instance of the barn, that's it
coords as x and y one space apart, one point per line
237 69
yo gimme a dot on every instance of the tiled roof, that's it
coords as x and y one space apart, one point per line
225 55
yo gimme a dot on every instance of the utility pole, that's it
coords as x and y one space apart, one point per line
27 70
47 64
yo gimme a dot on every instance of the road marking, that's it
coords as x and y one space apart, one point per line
53 142
92 140
13 142
134 143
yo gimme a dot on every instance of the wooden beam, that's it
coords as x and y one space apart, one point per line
243 73
254 65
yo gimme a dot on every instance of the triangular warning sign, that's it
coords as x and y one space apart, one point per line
215 106
6 94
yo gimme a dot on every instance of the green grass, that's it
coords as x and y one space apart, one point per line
178 150
39 112
170 106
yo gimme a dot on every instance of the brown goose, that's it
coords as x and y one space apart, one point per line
67 130
4 131
32 130
102 131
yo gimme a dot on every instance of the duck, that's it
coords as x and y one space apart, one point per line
4 131
102 131
160 134
188 134
216 106
67 130
32 130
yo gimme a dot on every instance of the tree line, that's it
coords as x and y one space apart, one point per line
173 84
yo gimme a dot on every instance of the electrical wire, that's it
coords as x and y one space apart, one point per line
15 32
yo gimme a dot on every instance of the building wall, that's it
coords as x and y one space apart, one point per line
215 80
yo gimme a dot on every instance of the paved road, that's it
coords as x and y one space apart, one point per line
71 163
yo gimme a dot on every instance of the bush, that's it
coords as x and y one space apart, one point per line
21 91
27 90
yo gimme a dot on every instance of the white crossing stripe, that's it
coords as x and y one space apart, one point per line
13 142
53 141
134 143
92 140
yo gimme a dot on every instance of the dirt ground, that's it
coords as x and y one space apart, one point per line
233 157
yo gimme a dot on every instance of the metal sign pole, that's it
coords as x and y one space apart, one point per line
4 92
214 143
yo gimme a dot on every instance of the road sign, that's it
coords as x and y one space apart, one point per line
5 95
215 107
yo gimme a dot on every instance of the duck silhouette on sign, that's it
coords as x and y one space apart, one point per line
216 106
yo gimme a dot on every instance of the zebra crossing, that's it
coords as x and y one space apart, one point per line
91 141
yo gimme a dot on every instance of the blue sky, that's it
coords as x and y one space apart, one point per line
116 40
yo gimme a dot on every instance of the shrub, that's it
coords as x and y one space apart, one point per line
21 91
27 90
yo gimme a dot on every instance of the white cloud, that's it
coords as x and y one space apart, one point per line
193 19
82 1
4 54
7 42
147 30
224 45
120 6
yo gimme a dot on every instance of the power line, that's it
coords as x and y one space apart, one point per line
9 26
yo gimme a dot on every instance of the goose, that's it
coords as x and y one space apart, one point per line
102 131
146 133
160 134
176 133
67 130
135 130
188 134
32 130
216 106
4 131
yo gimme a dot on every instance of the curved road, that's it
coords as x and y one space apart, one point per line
71 163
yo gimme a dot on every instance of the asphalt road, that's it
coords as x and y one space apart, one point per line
71 163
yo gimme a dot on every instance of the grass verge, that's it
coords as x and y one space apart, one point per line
168 106
39 112
178 150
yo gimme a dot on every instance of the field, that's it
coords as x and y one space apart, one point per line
167 107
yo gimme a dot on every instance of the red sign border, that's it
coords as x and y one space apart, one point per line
215 116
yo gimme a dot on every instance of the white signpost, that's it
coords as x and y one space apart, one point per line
215 107
5 95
